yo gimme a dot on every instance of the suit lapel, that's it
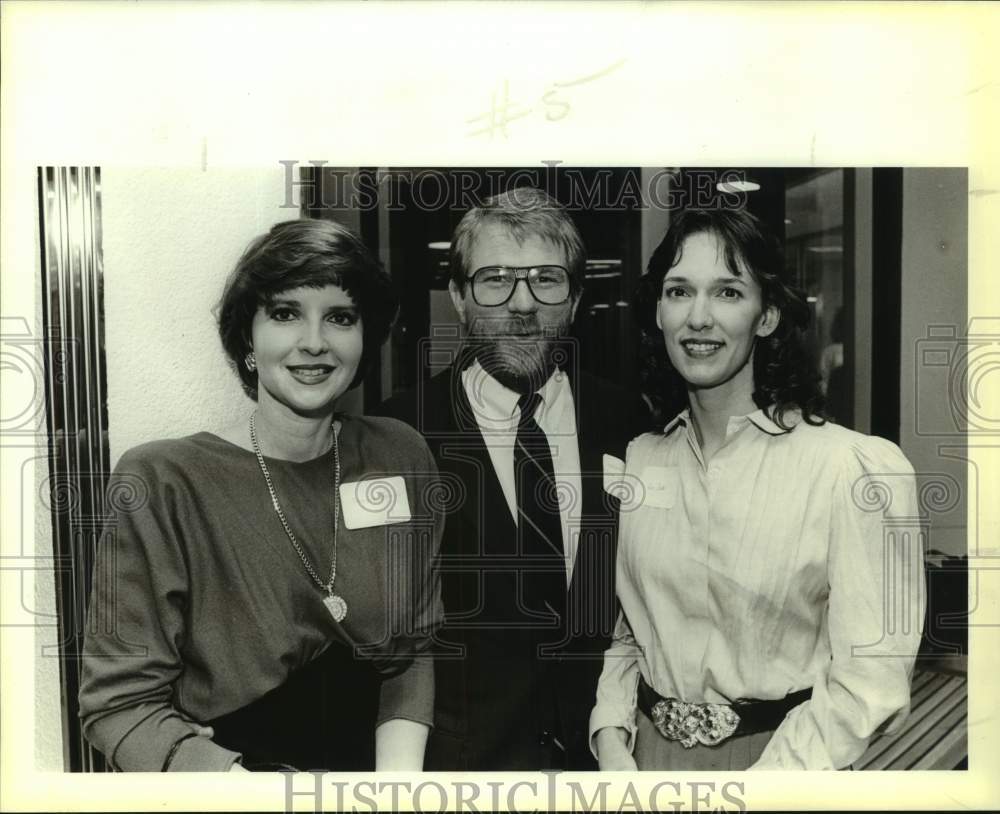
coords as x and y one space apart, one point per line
462 450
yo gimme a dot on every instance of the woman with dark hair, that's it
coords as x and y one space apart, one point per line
268 599
770 614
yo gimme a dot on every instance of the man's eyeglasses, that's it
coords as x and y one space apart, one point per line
494 285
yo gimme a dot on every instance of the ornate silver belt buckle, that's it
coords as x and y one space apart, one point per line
691 724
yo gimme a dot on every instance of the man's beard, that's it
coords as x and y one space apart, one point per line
518 352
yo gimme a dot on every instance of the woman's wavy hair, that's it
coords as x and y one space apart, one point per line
305 253
784 373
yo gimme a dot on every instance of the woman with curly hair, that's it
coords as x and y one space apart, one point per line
767 620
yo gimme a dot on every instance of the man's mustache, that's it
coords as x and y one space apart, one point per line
487 327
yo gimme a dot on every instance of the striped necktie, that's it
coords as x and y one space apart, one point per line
543 571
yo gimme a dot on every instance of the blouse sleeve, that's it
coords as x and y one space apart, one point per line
131 655
617 686
875 615
410 694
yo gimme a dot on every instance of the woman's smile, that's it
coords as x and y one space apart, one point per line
701 348
310 374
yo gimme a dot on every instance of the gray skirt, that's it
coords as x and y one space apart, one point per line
655 752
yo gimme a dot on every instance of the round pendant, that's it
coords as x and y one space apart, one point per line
337 607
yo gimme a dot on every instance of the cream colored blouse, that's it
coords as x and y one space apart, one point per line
794 559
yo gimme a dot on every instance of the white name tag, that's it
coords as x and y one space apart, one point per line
614 469
659 485
374 502
620 484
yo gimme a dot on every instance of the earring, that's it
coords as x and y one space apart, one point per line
250 361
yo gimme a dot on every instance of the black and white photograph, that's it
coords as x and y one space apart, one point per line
513 481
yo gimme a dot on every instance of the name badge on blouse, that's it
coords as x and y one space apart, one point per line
660 485
614 470
621 484
374 502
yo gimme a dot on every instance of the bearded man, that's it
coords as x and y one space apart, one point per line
523 442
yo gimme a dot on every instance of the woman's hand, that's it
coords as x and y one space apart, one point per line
612 750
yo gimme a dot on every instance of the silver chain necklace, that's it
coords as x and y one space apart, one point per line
335 603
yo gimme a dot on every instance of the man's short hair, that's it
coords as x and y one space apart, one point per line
524 212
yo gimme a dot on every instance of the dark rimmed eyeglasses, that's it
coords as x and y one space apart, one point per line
494 285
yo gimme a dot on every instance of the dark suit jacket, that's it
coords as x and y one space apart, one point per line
509 686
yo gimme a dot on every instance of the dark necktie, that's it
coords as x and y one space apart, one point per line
543 571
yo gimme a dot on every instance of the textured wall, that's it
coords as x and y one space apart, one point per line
935 273
170 238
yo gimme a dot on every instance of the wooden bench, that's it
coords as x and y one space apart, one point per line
935 735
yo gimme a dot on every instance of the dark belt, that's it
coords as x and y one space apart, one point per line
710 724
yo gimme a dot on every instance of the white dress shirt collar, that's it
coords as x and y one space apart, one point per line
759 418
495 405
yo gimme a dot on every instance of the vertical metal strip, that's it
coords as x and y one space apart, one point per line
97 448
61 292
46 195
76 412
850 337
56 409
79 255
70 299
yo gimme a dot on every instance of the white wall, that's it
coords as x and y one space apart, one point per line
170 238
654 217
934 293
